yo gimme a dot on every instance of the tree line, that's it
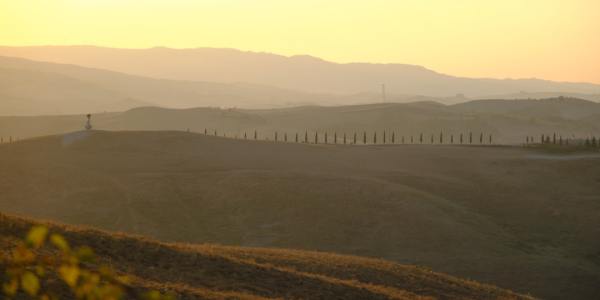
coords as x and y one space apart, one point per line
9 139
558 140
364 137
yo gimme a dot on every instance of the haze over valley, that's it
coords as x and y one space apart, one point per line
177 78
296 162
254 150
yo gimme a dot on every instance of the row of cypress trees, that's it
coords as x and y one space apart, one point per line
557 139
592 142
384 138
8 140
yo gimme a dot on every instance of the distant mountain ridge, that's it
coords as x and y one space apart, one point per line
302 72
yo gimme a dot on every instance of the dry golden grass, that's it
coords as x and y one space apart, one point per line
220 272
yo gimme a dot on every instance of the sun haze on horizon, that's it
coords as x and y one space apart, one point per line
555 40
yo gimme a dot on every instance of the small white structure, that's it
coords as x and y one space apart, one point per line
88 124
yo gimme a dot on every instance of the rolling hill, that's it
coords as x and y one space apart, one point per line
36 88
220 272
302 72
509 216
509 121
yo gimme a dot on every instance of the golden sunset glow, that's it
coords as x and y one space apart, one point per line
549 39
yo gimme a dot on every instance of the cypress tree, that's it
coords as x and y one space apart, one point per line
316 137
364 137
306 137
554 138
276 136
245 136
411 139
560 140
441 137
461 138
593 141
548 139
452 139
255 135
375 137
542 140
285 136
215 132
204 131
344 138
470 137
490 138
335 137
384 136
481 138
296 137
587 142
355 138
432 138
527 140
421 138
325 137
393 137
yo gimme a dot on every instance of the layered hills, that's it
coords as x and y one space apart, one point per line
508 121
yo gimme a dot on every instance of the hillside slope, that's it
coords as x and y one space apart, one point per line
219 272
303 73
511 217
509 121
32 88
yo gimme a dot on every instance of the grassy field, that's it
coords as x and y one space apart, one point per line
517 218
219 272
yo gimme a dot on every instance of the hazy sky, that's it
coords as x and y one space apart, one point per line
551 39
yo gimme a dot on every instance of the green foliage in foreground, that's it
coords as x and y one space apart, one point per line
44 262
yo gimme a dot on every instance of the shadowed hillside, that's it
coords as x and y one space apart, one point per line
512 217
301 72
219 272
508 121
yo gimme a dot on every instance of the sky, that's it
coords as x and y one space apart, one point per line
549 39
